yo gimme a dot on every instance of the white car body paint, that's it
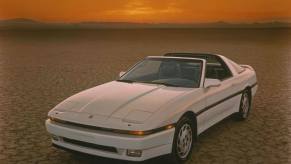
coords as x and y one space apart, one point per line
142 107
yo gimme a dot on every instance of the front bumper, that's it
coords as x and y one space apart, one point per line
151 145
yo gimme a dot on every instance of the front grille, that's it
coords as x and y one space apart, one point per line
63 122
127 132
90 145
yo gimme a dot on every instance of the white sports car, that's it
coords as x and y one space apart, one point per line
158 107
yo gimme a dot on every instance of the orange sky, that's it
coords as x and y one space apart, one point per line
155 11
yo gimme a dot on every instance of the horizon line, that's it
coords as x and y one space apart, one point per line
177 23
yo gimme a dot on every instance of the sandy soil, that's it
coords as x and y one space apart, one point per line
40 69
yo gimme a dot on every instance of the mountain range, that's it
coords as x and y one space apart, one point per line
28 24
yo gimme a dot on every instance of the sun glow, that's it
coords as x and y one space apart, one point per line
140 8
139 11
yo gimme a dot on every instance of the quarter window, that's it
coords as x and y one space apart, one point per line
216 68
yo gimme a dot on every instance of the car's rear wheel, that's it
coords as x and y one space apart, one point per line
245 105
183 141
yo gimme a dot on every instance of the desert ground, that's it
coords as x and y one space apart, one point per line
39 69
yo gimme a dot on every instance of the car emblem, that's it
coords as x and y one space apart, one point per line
90 116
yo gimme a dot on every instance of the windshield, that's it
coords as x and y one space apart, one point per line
166 71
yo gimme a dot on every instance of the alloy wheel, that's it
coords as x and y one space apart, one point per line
245 105
184 141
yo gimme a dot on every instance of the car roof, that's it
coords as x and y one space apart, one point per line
177 57
192 55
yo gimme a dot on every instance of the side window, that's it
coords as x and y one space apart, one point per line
216 68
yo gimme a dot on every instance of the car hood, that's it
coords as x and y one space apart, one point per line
130 102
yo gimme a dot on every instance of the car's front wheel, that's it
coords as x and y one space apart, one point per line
183 141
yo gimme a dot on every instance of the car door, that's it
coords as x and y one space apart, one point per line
219 100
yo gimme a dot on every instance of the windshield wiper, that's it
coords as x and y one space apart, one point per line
126 81
149 82
160 83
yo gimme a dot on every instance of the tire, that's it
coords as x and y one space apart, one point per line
245 105
183 141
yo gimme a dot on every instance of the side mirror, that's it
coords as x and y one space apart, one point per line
121 73
211 83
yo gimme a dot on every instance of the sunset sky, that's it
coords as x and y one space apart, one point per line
150 11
